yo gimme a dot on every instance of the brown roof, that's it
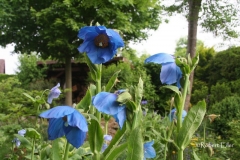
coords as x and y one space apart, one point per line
2 66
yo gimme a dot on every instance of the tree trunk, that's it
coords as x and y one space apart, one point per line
194 8
68 81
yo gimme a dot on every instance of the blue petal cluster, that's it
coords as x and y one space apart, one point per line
105 102
170 72
99 43
173 116
54 93
65 120
149 151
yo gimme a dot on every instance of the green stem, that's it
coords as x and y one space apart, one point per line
204 132
99 88
180 154
33 148
179 114
106 127
66 151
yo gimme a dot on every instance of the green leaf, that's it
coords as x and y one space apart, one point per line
124 97
32 133
139 92
135 145
30 97
191 123
117 151
57 149
85 101
173 88
95 134
112 81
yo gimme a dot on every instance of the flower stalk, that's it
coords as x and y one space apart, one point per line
66 151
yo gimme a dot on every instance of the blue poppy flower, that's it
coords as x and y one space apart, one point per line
170 72
99 43
105 102
173 116
22 132
65 120
54 93
149 151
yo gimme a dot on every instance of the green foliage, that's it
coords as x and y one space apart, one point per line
28 71
225 66
219 92
50 27
228 109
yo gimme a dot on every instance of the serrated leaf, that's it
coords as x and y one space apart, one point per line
95 134
112 81
30 97
135 145
190 124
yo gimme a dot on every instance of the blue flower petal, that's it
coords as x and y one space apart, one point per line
99 55
75 136
57 112
100 29
76 119
55 128
114 39
160 58
54 93
106 102
120 117
168 73
149 151
85 30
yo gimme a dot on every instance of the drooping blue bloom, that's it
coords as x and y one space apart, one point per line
149 151
65 120
54 93
22 132
99 43
107 138
173 116
170 72
105 102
